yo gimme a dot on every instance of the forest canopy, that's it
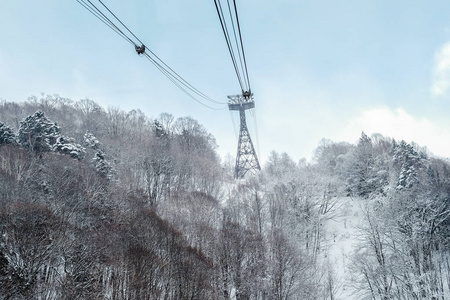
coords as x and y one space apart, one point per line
101 203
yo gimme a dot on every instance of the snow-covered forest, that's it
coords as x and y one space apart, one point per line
101 203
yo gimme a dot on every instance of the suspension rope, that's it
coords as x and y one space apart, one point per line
121 22
111 22
183 81
173 76
242 44
227 39
177 83
105 20
242 72
237 45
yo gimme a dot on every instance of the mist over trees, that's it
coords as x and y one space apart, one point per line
101 203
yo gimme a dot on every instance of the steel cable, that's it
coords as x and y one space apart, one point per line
242 44
110 22
227 39
237 46
105 20
121 22
173 76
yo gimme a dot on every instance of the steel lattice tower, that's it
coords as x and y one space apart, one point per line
246 159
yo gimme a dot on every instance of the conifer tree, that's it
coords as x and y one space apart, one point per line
101 165
7 136
409 161
68 146
37 133
360 177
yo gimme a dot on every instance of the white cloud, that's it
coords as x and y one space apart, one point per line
441 71
400 125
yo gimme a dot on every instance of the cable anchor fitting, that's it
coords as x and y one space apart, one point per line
140 49
247 94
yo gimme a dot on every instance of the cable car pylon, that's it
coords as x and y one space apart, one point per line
246 158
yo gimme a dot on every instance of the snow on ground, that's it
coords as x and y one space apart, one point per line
341 239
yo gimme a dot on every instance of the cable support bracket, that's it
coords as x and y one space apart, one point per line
140 49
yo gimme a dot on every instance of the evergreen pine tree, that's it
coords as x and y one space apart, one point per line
101 165
37 133
7 136
361 174
409 161
68 146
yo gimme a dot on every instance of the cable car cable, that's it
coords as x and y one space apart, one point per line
120 22
176 83
227 39
175 80
106 21
187 84
237 45
110 22
173 76
176 77
242 44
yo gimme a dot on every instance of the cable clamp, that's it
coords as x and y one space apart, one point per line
140 49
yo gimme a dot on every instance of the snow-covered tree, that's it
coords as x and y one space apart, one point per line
7 135
68 146
93 116
359 179
37 133
101 165
91 141
159 129
366 168
410 162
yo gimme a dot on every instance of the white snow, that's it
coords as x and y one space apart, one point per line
341 240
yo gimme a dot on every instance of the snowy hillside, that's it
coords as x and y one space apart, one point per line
107 204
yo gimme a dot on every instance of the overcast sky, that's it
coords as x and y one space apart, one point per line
318 69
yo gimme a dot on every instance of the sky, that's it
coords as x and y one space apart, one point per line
318 68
